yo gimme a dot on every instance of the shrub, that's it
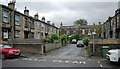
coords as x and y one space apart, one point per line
75 36
43 40
53 37
85 40
64 37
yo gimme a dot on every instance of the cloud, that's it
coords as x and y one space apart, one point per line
68 12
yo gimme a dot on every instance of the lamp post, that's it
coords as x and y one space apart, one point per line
93 33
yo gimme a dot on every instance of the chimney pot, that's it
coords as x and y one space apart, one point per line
43 18
26 12
36 16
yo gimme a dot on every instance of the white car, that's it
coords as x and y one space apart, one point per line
114 55
74 41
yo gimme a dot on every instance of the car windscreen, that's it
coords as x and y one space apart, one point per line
80 42
5 46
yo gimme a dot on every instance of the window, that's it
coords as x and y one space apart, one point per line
5 34
42 26
48 29
32 24
83 31
38 35
45 29
17 18
17 34
74 31
32 35
38 25
41 33
52 29
5 16
26 23
117 19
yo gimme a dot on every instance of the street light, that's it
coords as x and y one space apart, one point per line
93 33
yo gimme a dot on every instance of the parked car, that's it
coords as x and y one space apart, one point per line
7 51
80 43
114 55
74 41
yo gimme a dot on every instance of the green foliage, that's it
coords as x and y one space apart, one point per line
43 40
75 36
82 22
64 37
53 37
85 40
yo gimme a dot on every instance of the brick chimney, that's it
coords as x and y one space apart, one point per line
43 19
36 16
11 4
26 12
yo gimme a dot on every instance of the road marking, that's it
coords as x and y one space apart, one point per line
35 59
98 61
84 62
66 61
29 59
42 60
25 59
57 61
75 62
13 60
101 65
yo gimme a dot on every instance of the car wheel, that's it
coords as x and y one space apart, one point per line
3 56
119 61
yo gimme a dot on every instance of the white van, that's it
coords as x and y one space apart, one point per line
114 55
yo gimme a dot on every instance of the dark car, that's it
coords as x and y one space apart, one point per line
80 43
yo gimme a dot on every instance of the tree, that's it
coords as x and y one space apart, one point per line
80 22
85 40
64 37
97 29
75 36
53 37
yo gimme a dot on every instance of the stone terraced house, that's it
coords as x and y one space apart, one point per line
16 25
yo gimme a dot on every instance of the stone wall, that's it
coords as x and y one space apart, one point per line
51 46
29 48
112 44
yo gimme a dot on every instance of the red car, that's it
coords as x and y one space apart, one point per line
8 51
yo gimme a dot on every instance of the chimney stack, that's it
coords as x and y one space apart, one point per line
48 22
11 4
53 24
99 23
26 12
61 24
43 19
36 16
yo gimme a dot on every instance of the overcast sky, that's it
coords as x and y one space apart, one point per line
68 12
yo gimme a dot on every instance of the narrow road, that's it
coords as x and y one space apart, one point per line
67 56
